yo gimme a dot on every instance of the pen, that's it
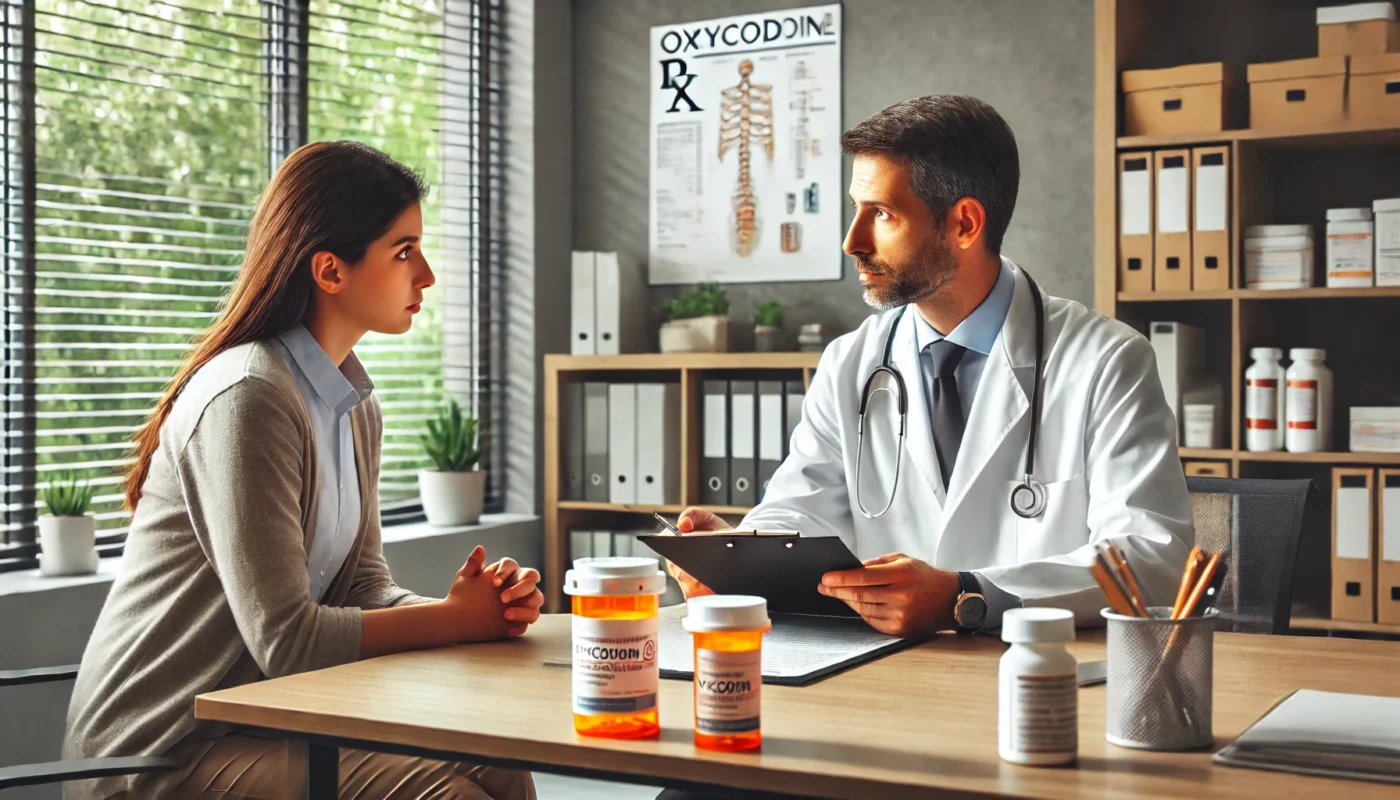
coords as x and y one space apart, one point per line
667 524
1125 572
1207 574
1188 581
1117 598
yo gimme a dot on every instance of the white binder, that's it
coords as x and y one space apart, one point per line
622 442
582 342
658 443
619 305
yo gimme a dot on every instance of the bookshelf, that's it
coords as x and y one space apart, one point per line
1277 175
687 369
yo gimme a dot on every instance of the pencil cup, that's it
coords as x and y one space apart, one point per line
1159 680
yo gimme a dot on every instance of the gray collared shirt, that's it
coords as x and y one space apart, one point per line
330 392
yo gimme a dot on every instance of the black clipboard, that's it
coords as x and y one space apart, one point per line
784 569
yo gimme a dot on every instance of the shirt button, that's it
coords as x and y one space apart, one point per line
323 573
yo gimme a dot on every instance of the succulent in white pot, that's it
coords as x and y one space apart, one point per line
699 321
768 327
453 490
68 533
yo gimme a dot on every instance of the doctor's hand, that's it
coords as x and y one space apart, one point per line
897 595
693 520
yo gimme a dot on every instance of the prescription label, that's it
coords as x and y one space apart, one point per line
1302 405
727 686
1261 400
1044 714
615 666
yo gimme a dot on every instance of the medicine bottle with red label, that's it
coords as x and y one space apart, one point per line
1264 401
1308 402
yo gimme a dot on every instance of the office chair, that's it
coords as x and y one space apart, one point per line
78 769
1257 522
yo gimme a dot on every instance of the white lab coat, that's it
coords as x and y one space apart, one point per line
1107 456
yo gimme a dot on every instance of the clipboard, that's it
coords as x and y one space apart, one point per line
784 569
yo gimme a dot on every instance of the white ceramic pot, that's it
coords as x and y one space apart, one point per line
452 498
696 335
67 545
767 338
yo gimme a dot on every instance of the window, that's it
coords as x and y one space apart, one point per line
131 172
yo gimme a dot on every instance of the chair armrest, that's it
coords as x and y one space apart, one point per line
79 769
19 677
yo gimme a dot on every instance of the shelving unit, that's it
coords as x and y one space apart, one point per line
687 369
1277 175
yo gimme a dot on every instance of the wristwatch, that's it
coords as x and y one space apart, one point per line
970 609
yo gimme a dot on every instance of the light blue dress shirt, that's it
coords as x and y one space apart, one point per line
977 333
330 392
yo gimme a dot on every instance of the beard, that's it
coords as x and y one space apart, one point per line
912 281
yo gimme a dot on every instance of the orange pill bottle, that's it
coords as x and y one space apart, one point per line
615 649
728 635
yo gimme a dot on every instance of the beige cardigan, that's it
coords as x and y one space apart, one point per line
213 590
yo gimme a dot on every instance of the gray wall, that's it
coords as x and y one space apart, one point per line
1031 59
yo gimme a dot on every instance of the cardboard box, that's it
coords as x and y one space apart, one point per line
1172 245
1135 215
1305 91
1357 29
1210 212
1187 99
1375 429
1374 93
1207 469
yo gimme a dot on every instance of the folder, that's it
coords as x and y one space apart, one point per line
573 441
1210 233
602 544
793 395
1388 562
1172 245
743 436
770 432
580 544
714 451
581 311
1353 565
622 543
622 443
658 443
595 443
1180 351
619 302
1135 222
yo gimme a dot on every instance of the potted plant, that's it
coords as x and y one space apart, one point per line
698 321
452 492
68 533
768 327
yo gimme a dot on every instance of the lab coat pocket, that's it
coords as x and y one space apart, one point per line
1063 526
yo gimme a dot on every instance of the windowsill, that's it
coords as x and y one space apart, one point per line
30 581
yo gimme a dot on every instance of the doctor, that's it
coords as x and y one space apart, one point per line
933 185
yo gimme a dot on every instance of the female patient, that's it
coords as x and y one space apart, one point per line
254 547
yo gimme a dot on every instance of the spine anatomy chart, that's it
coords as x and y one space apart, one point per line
746 119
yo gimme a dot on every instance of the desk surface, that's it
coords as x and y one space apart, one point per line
919 720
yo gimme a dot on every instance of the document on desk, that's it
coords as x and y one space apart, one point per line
798 651
1324 733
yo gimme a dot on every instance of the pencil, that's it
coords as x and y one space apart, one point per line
1188 581
1117 598
1129 579
1207 573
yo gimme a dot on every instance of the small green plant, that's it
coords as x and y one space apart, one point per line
66 496
451 440
769 313
705 300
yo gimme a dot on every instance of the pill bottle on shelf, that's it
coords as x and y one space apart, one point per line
1308 405
1263 401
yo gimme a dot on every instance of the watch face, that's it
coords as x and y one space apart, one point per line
971 611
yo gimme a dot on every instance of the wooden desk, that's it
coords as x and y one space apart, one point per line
918 723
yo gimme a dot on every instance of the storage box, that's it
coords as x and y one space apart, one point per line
1374 93
1351 248
1187 99
1375 429
1357 30
1306 91
1278 257
1386 214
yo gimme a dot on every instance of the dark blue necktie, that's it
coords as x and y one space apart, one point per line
947 416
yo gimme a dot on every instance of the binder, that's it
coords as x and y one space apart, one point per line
1135 215
658 444
602 544
580 544
1172 246
622 443
622 543
1388 562
581 311
714 451
743 436
619 302
1180 351
595 442
1210 231
770 432
1353 562
573 441
793 395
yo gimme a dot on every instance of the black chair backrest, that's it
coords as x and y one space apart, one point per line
1257 522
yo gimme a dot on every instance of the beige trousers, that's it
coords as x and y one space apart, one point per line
240 767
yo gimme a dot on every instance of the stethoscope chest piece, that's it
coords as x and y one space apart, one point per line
1028 499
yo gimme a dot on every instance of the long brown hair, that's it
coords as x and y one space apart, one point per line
327 196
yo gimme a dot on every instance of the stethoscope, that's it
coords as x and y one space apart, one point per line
1028 497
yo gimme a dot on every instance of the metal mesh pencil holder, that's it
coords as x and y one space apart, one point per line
1159 680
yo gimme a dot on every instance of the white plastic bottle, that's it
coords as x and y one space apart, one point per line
1038 699
1263 400
1309 401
